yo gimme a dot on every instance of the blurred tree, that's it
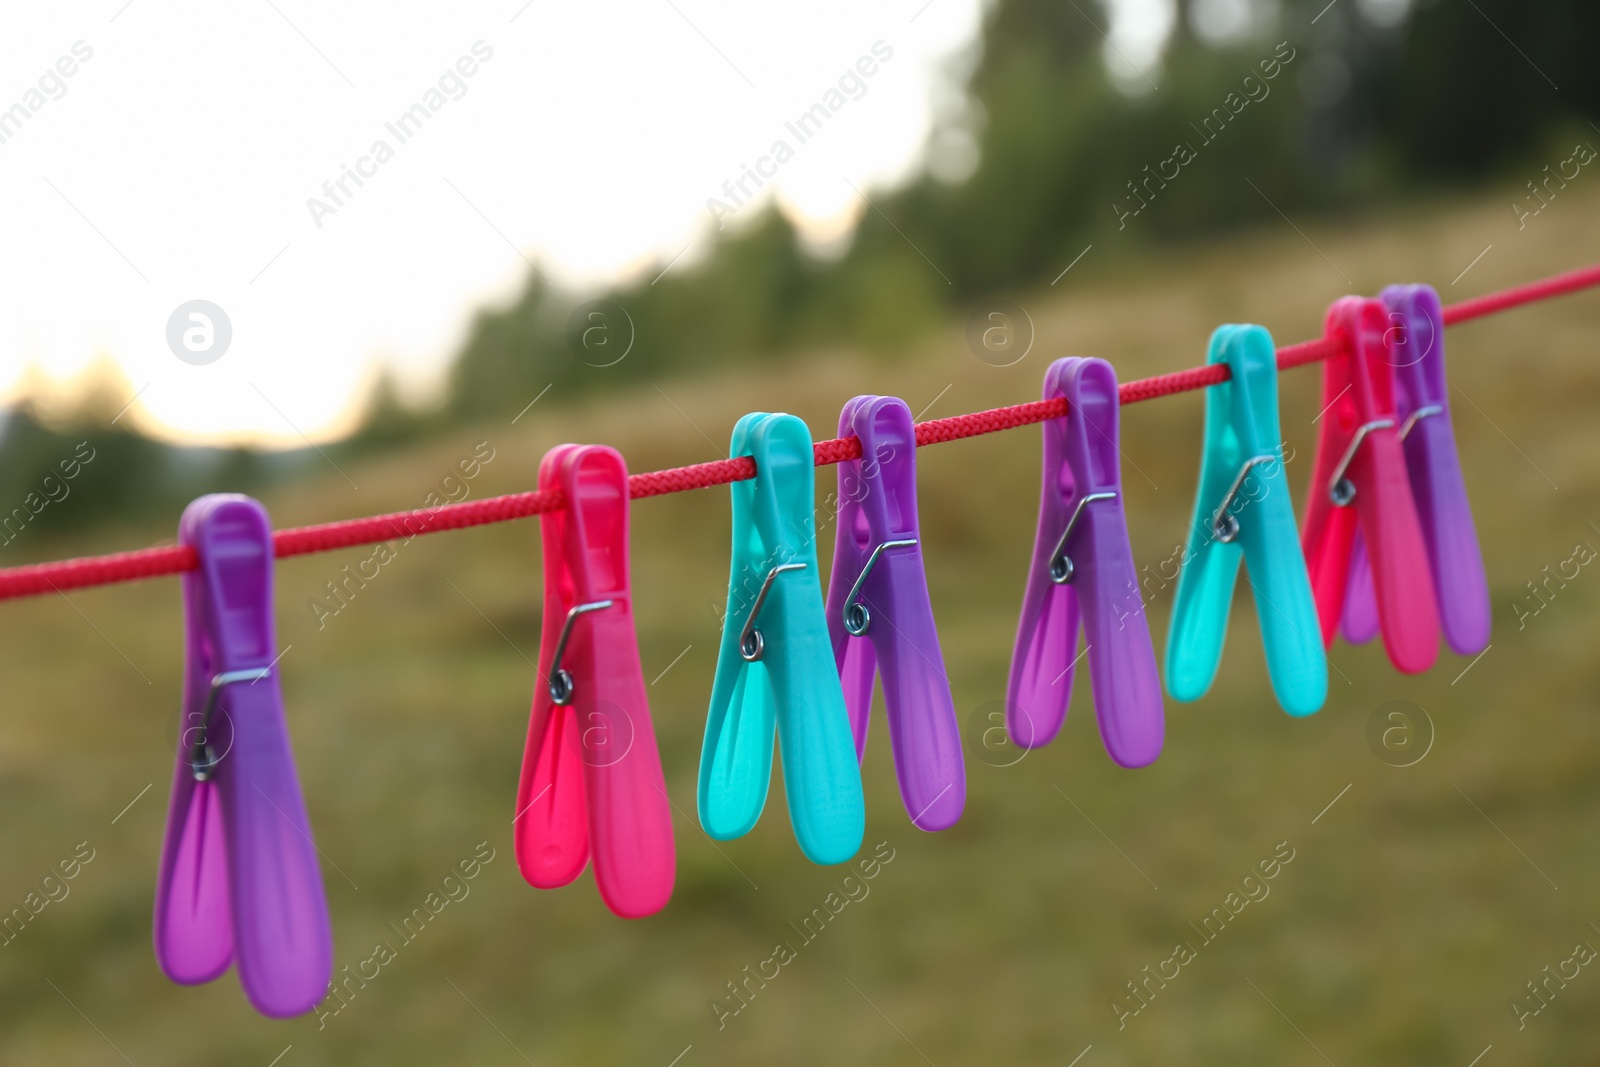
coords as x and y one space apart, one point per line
1380 100
1472 87
76 468
510 353
387 420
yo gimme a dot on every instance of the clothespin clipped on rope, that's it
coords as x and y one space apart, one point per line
775 668
239 878
1083 566
1359 480
591 781
1242 513
1422 403
880 616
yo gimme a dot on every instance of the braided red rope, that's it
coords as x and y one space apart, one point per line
38 578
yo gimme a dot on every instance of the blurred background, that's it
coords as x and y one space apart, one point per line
594 235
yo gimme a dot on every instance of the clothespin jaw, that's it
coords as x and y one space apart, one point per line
880 616
1083 567
1243 513
1360 479
1428 438
239 877
591 781
775 664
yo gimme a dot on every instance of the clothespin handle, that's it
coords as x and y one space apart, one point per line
551 825
193 924
820 772
630 816
1212 553
736 755
853 551
1122 672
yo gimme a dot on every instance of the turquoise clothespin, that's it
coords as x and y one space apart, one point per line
775 666
1242 510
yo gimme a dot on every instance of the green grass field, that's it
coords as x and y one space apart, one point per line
1412 910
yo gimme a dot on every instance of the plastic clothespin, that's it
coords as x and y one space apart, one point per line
1422 402
1082 561
239 876
880 616
1360 478
591 774
1242 512
775 666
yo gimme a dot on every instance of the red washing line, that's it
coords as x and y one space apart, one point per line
40 578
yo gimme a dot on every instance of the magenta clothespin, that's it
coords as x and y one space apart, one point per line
239 876
880 617
1082 560
1422 401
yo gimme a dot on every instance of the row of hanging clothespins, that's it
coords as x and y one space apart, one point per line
1387 546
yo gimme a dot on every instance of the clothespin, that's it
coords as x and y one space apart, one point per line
880 616
1422 402
1360 478
1242 512
591 774
775 666
239 878
1082 561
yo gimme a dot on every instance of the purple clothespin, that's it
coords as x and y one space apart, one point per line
880 617
1422 401
1082 560
239 874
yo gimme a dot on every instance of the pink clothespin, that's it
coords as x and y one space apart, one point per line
1360 481
880 617
591 775
239 876
1083 562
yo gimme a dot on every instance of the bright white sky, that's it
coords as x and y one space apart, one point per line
175 164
